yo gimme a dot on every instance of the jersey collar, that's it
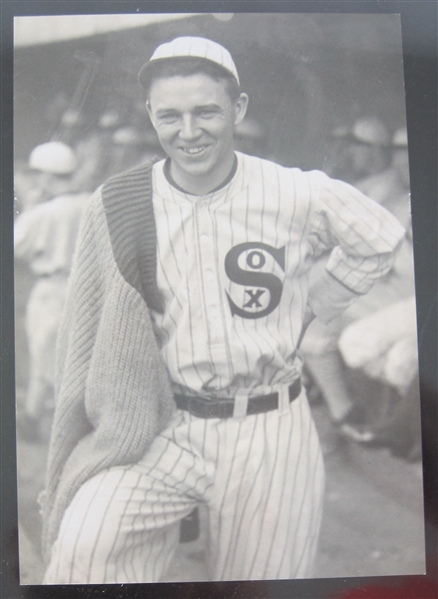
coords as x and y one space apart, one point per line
171 181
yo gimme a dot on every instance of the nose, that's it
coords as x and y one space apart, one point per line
189 128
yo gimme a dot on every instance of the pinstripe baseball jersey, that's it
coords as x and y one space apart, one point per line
233 267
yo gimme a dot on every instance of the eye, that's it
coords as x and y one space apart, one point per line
168 118
207 113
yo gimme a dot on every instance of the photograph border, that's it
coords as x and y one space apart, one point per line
419 40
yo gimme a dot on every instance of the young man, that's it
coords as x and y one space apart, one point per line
190 287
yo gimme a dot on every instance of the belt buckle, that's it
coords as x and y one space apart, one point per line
240 405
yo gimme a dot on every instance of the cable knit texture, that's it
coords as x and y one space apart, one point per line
112 390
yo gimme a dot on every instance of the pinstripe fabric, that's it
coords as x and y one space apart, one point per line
206 348
261 477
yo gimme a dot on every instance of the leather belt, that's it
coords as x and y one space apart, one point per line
204 407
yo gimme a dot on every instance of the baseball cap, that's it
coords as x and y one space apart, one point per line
53 157
370 130
196 47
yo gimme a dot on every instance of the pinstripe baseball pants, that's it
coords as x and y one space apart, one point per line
261 476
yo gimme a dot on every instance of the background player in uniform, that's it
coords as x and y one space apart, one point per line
190 287
45 236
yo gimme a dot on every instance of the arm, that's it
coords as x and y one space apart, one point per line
364 239
113 393
76 337
25 228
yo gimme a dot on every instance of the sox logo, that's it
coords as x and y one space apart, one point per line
261 282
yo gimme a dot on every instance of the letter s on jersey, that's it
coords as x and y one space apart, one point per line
261 280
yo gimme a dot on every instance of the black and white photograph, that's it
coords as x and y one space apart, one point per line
216 357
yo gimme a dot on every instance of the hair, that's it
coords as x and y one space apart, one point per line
184 66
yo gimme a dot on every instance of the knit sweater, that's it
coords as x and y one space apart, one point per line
112 390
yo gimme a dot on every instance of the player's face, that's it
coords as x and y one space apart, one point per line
195 117
367 159
46 186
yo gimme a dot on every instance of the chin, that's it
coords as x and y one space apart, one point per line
200 169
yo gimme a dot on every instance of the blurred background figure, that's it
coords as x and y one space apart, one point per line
366 365
337 162
132 146
250 137
356 154
92 147
24 186
390 186
370 148
385 349
359 151
45 237
114 144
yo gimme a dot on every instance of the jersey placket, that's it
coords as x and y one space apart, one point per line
211 295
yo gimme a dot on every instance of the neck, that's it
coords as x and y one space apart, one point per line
203 184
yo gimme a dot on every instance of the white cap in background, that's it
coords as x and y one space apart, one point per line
370 130
53 157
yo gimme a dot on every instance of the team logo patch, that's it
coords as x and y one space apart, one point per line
244 265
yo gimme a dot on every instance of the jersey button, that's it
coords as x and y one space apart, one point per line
205 238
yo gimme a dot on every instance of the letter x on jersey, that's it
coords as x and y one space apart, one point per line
260 282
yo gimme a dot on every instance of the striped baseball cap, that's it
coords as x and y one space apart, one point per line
196 47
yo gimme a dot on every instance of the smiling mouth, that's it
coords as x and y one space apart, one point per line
194 151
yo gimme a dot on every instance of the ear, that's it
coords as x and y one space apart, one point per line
241 107
149 109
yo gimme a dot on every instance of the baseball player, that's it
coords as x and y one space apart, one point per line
179 370
44 236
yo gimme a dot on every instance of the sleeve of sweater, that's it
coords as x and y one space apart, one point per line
76 337
109 374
